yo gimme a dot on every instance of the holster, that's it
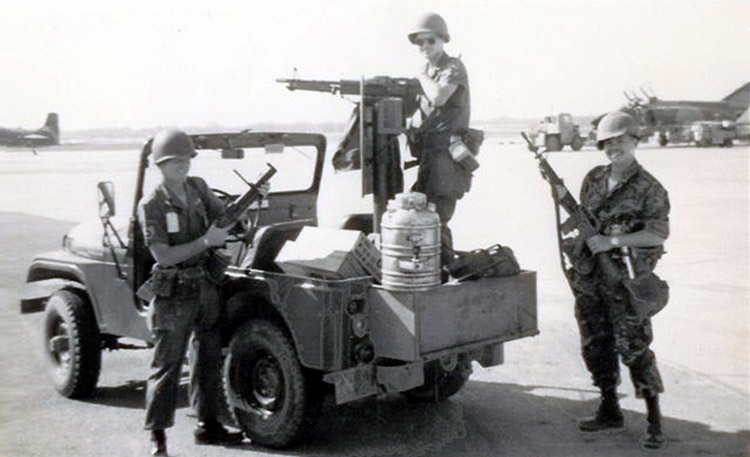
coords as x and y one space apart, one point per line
473 138
648 294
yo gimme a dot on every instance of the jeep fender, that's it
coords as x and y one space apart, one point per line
45 277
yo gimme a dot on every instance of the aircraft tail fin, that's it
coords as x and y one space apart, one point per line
740 96
52 125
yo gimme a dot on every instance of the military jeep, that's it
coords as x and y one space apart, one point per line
289 339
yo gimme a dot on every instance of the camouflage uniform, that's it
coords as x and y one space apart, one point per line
192 305
607 321
439 177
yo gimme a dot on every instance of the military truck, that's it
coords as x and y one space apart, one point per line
289 339
713 133
556 132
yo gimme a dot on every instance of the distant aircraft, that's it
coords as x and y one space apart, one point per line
49 135
671 119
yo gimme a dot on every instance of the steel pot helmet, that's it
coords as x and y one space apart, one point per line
615 124
430 22
171 144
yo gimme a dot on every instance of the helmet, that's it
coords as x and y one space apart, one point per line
615 124
430 22
170 144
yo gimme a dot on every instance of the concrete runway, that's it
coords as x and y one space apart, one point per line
527 407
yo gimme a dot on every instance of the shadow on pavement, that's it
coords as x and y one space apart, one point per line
496 419
132 394
484 419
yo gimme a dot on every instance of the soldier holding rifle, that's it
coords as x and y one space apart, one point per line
615 300
176 220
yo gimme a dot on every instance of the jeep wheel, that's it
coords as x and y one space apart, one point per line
270 395
576 143
71 344
441 380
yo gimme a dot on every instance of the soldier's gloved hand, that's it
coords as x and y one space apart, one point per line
216 236
599 243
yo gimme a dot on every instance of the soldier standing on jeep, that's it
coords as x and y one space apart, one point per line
176 224
442 118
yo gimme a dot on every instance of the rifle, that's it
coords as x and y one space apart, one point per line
575 230
648 293
217 263
238 207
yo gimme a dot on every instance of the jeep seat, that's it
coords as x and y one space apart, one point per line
269 241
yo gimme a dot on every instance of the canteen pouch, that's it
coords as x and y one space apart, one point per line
649 294
162 281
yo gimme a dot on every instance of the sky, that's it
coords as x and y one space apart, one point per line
140 64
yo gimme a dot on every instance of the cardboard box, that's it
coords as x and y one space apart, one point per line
330 254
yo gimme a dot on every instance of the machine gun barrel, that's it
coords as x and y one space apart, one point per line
237 208
380 86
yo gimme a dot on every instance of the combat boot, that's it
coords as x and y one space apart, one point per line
654 438
608 417
212 432
158 443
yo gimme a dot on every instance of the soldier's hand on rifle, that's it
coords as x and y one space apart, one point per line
216 236
599 243
264 189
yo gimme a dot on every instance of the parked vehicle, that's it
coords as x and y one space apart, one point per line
714 133
290 339
556 132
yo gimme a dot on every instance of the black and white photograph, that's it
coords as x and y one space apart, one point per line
328 228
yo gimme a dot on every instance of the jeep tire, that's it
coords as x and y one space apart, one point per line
440 383
271 396
72 344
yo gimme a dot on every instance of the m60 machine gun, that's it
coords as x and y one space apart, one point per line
406 89
371 141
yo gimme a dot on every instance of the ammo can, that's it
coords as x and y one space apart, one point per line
410 244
